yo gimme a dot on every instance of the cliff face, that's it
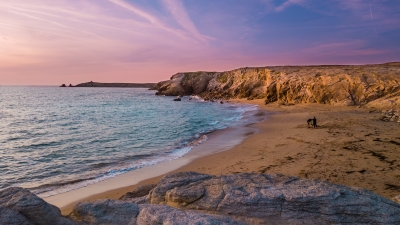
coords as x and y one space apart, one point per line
375 85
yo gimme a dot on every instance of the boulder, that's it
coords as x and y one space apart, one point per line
20 206
12 217
105 212
264 197
138 192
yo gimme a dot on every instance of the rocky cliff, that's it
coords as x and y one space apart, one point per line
193 198
372 85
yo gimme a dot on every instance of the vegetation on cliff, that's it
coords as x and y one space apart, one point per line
375 85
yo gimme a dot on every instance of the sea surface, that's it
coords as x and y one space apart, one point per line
53 139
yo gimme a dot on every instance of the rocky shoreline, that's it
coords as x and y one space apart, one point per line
376 86
194 198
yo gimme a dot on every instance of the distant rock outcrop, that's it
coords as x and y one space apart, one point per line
193 198
120 85
375 85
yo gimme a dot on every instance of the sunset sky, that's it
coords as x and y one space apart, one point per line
48 42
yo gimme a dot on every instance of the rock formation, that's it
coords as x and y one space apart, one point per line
260 198
375 85
19 206
390 116
193 198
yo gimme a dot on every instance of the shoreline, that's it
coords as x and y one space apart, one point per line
351 147
115 187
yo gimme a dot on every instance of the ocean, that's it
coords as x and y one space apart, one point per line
53 140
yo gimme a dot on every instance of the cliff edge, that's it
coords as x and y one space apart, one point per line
376 86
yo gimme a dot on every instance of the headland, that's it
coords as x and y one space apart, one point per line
114 85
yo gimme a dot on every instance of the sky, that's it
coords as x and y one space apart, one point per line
47 42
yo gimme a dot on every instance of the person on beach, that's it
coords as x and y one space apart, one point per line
314 122
309 123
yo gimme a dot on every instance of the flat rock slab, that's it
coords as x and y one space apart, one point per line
274 197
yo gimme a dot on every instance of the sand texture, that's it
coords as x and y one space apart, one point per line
350 146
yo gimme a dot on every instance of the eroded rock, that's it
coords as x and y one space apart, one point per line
12 217
375 85
20 206
106 212
138 192
162 214
268 197
193 198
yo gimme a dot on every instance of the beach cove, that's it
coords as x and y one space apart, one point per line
351 146
255 161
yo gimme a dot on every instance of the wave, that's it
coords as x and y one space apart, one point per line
145 160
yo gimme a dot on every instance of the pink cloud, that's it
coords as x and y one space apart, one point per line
177 9
289 3
70 41
101 38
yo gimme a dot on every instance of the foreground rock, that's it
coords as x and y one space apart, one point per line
390 116
250 198
106 212
19 206
375 85
260 197
120 212
193 198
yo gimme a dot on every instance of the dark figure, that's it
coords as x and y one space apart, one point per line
315 122
309 122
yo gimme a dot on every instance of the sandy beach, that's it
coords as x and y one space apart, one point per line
350 146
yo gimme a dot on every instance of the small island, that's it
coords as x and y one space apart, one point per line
123 85
70 85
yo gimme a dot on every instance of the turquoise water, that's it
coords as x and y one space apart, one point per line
57 139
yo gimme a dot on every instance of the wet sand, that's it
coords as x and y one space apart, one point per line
351 146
